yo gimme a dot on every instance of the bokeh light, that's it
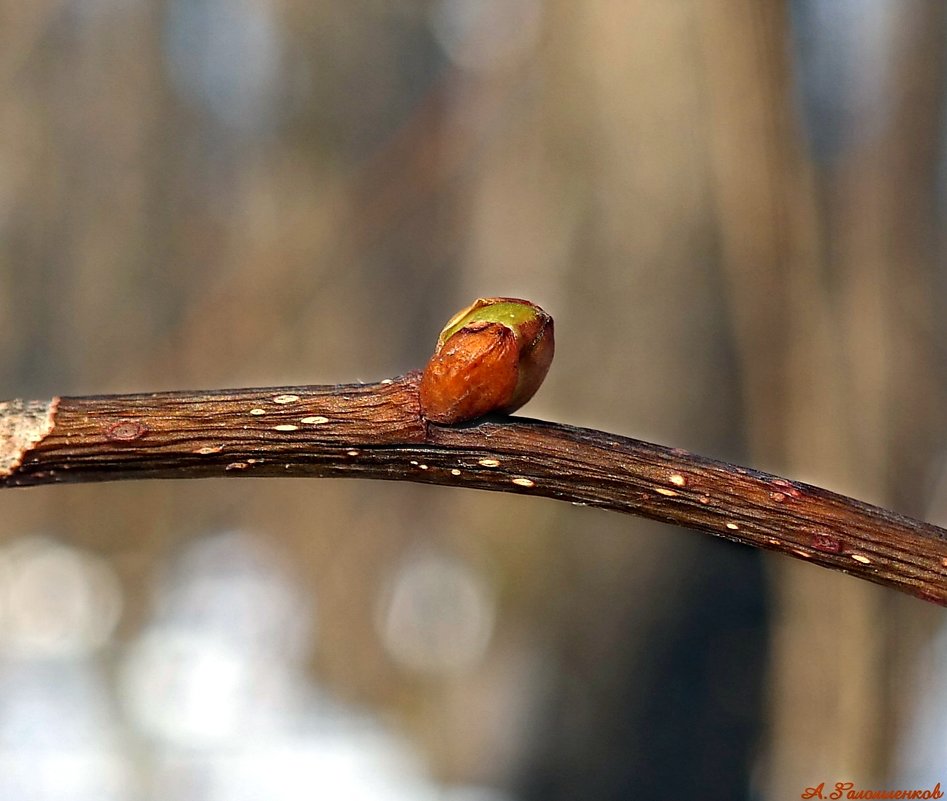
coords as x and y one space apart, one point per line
437 615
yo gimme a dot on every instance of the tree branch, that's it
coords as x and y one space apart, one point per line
376 431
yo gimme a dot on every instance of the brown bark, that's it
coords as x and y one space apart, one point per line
376 431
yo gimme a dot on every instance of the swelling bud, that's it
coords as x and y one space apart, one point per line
490 357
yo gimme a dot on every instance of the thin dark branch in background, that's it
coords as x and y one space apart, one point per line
376 431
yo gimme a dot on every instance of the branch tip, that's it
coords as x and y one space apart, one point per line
23 426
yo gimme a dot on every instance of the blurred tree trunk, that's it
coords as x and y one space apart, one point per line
837 372
601 196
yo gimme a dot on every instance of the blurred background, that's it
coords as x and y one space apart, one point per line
734 211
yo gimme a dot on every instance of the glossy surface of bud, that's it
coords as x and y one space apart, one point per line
490 357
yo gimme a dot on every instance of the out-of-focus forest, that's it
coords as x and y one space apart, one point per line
733 210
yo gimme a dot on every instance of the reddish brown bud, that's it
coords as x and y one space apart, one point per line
490 357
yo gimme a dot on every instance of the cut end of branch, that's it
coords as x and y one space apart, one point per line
23 426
